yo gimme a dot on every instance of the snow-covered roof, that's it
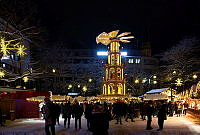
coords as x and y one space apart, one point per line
156 90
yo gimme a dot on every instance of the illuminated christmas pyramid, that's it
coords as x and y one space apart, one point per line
114 81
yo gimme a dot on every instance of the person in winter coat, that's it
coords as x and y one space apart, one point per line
77 112
99 120
48 111
88 114
162 115
67 111
149 112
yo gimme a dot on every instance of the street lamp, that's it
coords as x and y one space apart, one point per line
154 77
70 86
154 82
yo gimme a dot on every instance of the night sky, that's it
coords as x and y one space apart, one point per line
162 22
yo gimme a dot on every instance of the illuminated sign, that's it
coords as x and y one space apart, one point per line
103 53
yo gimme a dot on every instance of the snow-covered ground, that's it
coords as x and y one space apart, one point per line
173 126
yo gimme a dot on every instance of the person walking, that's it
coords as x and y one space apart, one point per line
77 112
149 111
88 114
48 111
99 120
130 111
67 111
185 107
162 115
58 112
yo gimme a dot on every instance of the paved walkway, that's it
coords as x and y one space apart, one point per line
173 126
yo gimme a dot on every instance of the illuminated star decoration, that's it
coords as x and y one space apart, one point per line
2 74
179 82
107 38
5 46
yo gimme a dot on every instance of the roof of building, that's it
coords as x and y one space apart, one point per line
156 90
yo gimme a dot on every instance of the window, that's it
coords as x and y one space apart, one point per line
4 65
130 60
137 61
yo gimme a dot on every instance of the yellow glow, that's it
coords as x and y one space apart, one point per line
20 50
179 82
154 77
194 76
70 86
154 82
25 79
4 49
144 80
136 81
53 70
90 80
84 88
79 85
2 74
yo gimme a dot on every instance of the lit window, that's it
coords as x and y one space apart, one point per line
4 65
130 60
137 60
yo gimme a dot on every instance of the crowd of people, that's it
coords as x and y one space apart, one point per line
98 115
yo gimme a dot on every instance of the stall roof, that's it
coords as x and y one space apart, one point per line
156 90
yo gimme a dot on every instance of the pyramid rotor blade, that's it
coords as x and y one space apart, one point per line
127 37
125 41
123 34
103 38
113 33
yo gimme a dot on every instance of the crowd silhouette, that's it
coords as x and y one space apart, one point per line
98 115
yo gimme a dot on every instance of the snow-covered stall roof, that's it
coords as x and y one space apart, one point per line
156 90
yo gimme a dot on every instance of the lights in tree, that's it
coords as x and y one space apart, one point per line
154 77
179 82
20 50
25 79
79 85
13 45
2 74
144 80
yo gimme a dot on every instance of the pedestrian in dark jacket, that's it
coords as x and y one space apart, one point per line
130 112
149 111
77 112
58 111
67 111
162 115
99 121
88 114
48 111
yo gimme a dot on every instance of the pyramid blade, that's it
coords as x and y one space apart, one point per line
127 37
113 33
103 38
123 34
125 41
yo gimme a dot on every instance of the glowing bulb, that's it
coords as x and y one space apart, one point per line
154 77
154 82
53 70
70 86
79 85
25 79
90 80
137 81
2 74
84 88
194 76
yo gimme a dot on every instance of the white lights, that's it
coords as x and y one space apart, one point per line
25 79
53 70
136 81
90 80
194 76
103 53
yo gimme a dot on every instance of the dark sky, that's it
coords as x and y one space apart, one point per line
162 22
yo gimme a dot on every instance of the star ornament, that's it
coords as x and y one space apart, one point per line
2 74
107 38
21 50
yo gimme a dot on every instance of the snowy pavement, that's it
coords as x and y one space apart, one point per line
173 126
